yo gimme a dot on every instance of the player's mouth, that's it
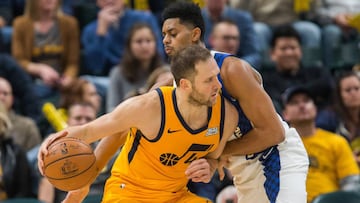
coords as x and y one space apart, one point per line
168 49
214 95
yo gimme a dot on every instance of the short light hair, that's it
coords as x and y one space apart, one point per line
184 61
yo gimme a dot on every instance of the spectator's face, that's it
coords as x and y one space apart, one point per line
286 54
350 92
6 96
226 38
79 115
91 96
177 36
117 5
215 7
48 5
300 109
143 45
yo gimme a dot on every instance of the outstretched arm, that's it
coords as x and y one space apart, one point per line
128 114
244 84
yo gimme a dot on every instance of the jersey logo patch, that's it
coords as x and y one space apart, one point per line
212 131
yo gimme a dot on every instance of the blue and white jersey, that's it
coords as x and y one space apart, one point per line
277 174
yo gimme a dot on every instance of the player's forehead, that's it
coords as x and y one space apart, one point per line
173 24
207 68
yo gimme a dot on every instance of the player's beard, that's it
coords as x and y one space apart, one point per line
196 98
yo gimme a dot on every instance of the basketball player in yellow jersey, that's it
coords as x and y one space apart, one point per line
170 129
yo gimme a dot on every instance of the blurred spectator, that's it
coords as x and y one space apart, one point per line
80 90
158 76
225 37
336 18
332 165
344 116
286 53
103 40
140 59
46 44
15 175
24 131
154 6
271 14
216 10
26 101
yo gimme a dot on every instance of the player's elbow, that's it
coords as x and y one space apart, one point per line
279 135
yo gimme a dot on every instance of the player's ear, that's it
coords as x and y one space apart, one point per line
185 83
196 33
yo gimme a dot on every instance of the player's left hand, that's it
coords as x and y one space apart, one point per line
199 171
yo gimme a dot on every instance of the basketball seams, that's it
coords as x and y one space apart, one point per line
56 160
91 165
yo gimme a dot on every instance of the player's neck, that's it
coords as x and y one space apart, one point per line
194 115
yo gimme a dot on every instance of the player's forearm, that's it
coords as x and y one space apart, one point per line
107 148
253 142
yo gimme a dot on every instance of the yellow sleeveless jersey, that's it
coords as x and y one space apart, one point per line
154 170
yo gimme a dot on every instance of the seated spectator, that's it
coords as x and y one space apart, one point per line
215 11
225 37
80 90
343 117
336 19
46 44
332 165
15 175
140 59
24 131
268 15
286 54
103 40
26 101
158 76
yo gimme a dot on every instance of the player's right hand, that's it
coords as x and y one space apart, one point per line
76 196
43 150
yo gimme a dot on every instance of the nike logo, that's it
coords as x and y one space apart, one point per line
172 131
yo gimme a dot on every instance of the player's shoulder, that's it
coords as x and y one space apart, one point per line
230 110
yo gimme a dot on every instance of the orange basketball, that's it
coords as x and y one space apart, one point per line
70 164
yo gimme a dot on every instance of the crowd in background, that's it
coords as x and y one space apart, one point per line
85 57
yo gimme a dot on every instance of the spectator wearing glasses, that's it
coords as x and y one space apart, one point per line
215 11
225 37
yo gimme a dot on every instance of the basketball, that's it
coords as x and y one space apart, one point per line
70 164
